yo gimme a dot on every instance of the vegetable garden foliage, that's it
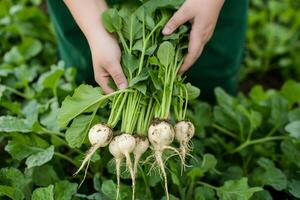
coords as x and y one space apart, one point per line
245 147
273 41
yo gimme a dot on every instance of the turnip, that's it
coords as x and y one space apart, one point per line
99 136
184 131
121 146
161 134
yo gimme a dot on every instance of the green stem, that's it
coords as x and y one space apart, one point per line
257 141
272 131
145 42
15 91
207 185
190 190
225 131
123 42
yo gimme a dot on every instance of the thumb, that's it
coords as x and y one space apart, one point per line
118 76
180 17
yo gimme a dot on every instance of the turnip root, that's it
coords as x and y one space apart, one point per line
142 144
121 146
99 136
161 134
118 155
184 131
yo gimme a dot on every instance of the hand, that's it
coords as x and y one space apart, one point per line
203 15
106 55
104 47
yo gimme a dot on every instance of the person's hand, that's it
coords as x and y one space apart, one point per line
106 57
203 15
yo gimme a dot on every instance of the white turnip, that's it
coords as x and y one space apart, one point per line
184 131
161 134
121 146
99 136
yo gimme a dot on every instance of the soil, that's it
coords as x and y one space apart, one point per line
269 80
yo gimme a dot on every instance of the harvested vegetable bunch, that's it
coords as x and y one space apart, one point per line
151 63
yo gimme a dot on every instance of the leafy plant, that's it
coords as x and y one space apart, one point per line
245 147
273 41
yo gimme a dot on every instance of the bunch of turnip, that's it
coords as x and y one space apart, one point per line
157 95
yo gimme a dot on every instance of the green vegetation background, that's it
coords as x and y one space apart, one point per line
246 147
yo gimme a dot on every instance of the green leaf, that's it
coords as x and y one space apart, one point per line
26 74
64 190
204 193
13 177
262 195
50 79
268 174
30 47
132 27
151 50
294 115
78 130
138 46
236 190
166 53
193 92
45 193
155 79
109 189
279 111
151 6
223 98
111 20
233 173
291 90
13 56
11 192
19 150
175 179
291 152
172 197
257 94
43 175
209 162
141 77
131 63
84 97
40 158
13 124
294 188
49 117
293 129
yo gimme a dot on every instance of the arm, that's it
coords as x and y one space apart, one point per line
203 15
104 47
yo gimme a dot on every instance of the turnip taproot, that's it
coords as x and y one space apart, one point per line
121 146
142 144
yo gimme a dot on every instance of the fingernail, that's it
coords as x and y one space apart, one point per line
122 86
166 31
